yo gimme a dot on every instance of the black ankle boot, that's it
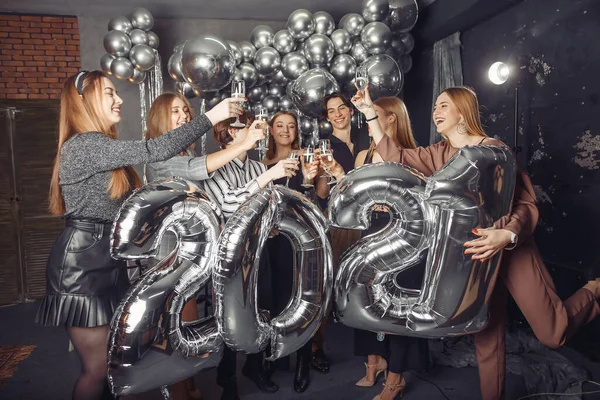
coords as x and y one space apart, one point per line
257 374
320 361
302 377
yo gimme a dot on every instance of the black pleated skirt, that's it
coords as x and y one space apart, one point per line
83 283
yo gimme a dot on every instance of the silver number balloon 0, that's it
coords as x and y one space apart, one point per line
149 345
243 326
434 215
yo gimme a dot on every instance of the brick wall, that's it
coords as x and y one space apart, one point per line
37 53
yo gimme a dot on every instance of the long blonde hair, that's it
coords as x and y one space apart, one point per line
465 100
159 115
402 133
272 145
79 114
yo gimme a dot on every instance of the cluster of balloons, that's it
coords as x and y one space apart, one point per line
294 68
130 46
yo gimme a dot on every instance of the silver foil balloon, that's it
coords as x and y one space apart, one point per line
301 24
342 41
137 77
249 73
318 49
385 76
343 68
324 23
262 36
376 37
285 104
267 61
397 44
284 42
293 65
243 325
307 92
271 103
105 62
120 23
403 15
142 57
409 42
153 40
121 68
138 36
431 218
237 75
237 52
358 52
279 79
300 47
352 23
117 43
375 10
262 80
406 63
276 91
216 99
257 93
207 63
149 346
306 125
174 67
325 128
187 90
142 19
248 51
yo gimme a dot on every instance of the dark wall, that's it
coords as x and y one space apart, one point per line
552 48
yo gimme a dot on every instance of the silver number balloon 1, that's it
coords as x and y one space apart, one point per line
434 215
149 345
243 326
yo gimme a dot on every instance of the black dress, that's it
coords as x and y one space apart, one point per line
403 353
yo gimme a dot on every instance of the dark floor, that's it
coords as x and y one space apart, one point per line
50 371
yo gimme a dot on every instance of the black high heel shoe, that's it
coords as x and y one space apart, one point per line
302 376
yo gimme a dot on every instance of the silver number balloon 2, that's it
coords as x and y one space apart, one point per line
243 325
434 215
149 345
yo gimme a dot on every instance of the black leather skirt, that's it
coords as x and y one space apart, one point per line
83 283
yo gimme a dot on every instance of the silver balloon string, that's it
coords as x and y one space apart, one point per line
154 85
203 138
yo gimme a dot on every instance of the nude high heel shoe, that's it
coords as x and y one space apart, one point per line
381 366
391 391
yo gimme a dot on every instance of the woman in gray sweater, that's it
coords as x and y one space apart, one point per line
92 176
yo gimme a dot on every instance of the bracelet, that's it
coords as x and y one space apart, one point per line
374 118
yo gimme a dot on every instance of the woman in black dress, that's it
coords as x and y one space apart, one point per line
92 177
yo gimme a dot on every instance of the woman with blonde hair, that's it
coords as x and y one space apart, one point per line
522 271
92 176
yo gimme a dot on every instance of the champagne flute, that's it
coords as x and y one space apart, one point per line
361 79
263 115
238 90
327 159
308 157
292 156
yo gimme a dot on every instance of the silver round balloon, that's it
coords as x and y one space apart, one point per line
174 67
398 45
142 19
216 99
262 80
267 61
385 76
237 52
120 23
406 63
276 91
403 15
293 65
343 68
409 41
324 23
207 63
319 49
138 36
300 47
237 75
358 52
325 128
285 103
262 36
306 125
352 23
279 79
153 40
301 24
249 74
142 57
271 103
248 51
375 10
376 37
308 91
284 42
105 62
257 93
187 90
342 41
137 77
121 68
117 43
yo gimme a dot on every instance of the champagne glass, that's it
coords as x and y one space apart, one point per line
327 159
292 156
238 90
361 79
308 157
263 115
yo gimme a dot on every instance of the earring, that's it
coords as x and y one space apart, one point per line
461 128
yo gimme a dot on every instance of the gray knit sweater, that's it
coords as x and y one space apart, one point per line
87 160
